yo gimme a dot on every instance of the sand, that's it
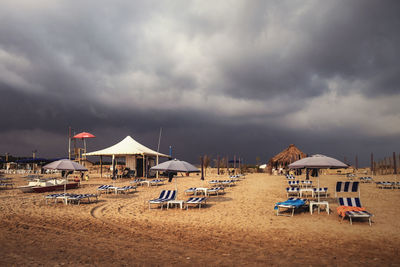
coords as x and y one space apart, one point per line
235 229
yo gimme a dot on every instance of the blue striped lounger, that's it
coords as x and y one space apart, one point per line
195 201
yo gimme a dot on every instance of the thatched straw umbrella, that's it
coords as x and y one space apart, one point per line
284 158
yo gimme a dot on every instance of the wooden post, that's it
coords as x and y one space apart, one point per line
356 162
202 167
218 164
394 163
227 164
101 166
234 164
372 164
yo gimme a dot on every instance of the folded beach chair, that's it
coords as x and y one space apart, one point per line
322 191
165 196
290 204
292 191
352 208
293 183
191 190
215 190
346 187
195 201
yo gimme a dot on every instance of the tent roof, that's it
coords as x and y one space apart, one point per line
128 146
289 155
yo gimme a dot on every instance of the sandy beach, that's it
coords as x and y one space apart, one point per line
237 228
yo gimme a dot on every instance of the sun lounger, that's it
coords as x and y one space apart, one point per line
125 189
195 201
321 190
137 181
346 187
156 182
293 183
306 183
352 208
191 190
165 196
6 185
104 189
366 179
227 182
290 177
77 198
292 191
290 204
384 185
215 190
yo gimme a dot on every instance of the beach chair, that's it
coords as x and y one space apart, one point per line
137 181
125 189
346 187
292 191
6 185
195 201
293 183
104 189
321 190
191 190
290 204
215 190
215 182
306 183
165 196
228 183
290 177
352 208
157 182
365 179
53 197
385 185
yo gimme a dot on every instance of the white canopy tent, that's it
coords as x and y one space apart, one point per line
132 151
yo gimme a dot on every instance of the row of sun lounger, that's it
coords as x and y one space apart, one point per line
306 183
71 198
110 188
168 197
390 185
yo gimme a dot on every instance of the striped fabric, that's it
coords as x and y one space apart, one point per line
292 189
347 186
358 214
321 190
195 200
190 190
293 183
165 195
349 201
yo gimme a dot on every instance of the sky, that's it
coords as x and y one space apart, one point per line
243 78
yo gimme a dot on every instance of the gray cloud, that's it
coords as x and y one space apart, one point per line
238 77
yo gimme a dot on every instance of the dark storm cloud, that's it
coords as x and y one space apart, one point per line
234 77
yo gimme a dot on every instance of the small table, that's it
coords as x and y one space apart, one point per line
174 202
306 190
312 203
204 189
